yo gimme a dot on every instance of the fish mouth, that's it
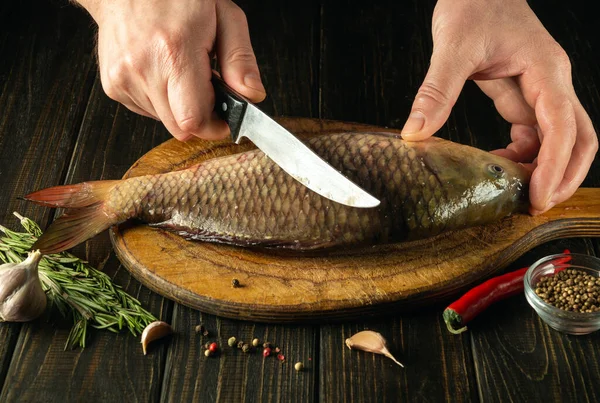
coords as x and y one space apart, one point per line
521 197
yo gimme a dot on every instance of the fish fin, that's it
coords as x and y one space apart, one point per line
73 196
215 237
74 227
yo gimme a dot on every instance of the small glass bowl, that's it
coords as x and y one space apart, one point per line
577 323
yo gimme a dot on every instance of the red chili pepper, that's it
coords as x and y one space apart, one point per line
479 298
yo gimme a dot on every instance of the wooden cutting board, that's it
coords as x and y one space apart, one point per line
279 288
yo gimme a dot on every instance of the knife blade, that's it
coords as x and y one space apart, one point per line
287 151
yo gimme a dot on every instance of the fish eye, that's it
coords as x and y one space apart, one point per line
496 170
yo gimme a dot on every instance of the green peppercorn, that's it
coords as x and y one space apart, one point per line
255 342
299 366
232 341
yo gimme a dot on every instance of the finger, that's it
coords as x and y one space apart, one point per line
161 104
144 108
525 144
557 124
117 86
583 154
191 99
235 54
140 98
134 108
437 95
508 99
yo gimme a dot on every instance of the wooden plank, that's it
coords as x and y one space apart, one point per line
46 74
370 71
111 367
438 366
516 355
233 375
284 40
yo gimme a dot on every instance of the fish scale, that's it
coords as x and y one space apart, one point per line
248 200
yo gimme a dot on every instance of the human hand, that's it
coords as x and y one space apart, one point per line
154 58
504 47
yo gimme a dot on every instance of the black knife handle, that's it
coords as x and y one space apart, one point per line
229 105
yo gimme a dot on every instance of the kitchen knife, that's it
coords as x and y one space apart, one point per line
295 158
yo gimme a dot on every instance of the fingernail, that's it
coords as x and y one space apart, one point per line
252 80
415 122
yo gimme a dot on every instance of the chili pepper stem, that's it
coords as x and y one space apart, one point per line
453 321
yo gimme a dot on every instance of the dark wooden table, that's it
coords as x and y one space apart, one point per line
361 62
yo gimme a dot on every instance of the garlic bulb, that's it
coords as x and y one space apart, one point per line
21 295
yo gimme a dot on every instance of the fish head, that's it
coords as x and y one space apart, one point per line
480 187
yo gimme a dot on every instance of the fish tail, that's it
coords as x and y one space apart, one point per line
73 196
85 217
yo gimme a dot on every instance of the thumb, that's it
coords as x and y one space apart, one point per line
436 96
235 54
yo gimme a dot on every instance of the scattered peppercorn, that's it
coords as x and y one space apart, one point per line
570 290
299 366
201 329
207 353
281 357
255 342
245 348
266 352
235 283
240 344
213 347
232 341
207 345
266 344
277 349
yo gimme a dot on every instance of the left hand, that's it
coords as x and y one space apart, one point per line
513 59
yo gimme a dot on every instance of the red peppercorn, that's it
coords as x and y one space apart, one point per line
213 347
281 357
266 352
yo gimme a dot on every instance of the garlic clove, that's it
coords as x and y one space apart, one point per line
155 331
21 295
371 342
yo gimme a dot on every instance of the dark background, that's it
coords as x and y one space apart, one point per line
353 61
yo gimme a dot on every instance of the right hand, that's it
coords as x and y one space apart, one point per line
154 58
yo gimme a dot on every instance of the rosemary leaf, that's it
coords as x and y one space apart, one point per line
76 289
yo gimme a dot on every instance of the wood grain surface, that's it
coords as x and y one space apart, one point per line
334 285
348 61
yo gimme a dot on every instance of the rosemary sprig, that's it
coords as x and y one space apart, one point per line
76 289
